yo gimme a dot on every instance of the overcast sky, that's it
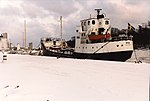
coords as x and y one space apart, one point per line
43 16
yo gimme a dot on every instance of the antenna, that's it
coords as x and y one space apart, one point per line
90 15
98 11
99 16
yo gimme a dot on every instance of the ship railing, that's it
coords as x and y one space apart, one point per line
121 38
50 39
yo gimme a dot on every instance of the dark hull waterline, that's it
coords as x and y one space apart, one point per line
112 56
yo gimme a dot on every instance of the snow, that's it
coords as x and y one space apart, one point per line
39 78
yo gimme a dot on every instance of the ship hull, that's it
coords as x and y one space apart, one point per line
56 54
111 56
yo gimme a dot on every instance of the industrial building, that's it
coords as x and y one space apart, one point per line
4 45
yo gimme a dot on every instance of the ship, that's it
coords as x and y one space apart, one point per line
94 42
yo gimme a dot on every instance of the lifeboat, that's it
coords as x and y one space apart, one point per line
99 37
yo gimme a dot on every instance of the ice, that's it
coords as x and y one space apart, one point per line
39 78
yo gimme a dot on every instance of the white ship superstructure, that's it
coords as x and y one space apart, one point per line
95 39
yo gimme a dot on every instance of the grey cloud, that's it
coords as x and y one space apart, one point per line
61 7
136 2
31 10
10 11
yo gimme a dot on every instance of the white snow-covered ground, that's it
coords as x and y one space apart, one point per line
36 78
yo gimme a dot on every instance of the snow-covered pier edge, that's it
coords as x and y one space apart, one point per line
39 78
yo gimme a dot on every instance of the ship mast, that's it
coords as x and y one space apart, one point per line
99 16
98 11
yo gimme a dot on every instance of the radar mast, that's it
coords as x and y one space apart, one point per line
99 16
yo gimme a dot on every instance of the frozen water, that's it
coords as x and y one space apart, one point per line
39 78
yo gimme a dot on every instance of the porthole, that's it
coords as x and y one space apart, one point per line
127 42
121 45
106 22
100 23
92 47
93 22
117 45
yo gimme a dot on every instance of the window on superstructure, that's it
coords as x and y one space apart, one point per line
93 22
106 22
101 30
84 23
92 33
100 23
83 34
81 23
88 22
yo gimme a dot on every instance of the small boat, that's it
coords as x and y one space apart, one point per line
94 42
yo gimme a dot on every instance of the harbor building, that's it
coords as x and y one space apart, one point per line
4 41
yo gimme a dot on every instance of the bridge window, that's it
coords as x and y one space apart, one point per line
93 22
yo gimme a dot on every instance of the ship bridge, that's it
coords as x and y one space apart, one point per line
95 28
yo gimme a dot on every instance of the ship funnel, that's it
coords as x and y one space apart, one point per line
99 16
